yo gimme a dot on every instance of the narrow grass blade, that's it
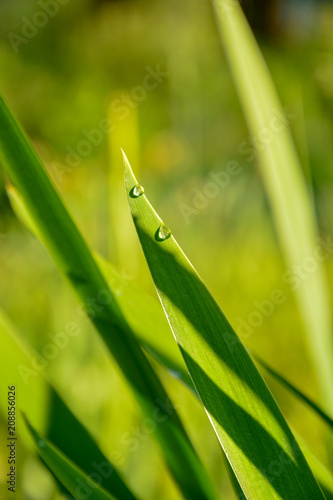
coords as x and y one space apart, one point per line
258 443
323 475
75 260
70 476
73 440
296 391
58 422
149 324
21 212
234 481
145 316
285 185
14 367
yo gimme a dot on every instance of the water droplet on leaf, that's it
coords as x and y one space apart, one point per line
137 191
163 233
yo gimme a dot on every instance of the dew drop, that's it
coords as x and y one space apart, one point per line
137 191
42 443
163 233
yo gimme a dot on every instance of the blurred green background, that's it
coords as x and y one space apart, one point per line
66 72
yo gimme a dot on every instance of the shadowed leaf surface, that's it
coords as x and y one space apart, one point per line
245 416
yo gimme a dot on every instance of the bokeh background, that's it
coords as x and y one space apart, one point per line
88 64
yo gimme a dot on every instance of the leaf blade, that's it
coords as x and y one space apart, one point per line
288 194
308 401
147 315
75 260
58 422
199 326
70 476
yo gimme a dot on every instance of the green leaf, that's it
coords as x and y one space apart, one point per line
322 414
74 441
287 191
150 327
75 260
142 312
257 441
323 475
148 322
16 370
60 425
70 476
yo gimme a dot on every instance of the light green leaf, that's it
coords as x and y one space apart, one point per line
142 312
287 191
323 415
323 475
150 326
72 439
70 476
16 370
74 259
258 443
54 417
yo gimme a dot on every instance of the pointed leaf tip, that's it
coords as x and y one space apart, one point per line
233 392
130 179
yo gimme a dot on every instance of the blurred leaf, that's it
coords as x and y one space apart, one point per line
285 184
150 326
57 421
296 391
142 312
258 443
322 474
74 441
147 320
15 369
20 210
71 477
74 259
122 243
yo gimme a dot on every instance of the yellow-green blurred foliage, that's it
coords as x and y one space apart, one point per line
88 64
